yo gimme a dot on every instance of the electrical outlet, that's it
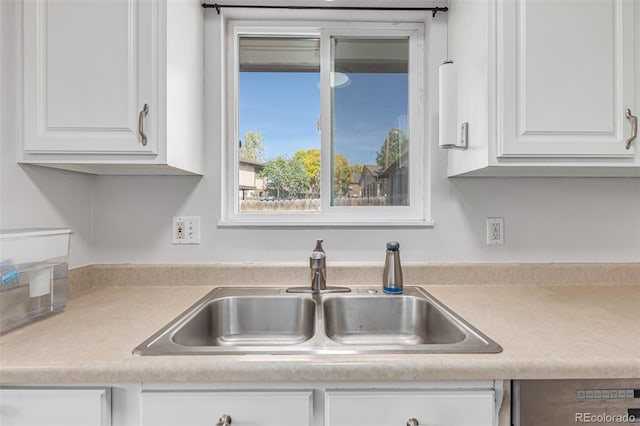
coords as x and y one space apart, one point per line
179 230
495 230
186 230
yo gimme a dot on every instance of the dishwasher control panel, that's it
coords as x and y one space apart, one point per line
607 394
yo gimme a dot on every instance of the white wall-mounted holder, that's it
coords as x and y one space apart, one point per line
449 137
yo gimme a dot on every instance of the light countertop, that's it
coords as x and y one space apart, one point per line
546 332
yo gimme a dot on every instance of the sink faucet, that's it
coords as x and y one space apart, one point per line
318 265
318 274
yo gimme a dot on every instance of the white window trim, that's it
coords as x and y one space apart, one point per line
376 25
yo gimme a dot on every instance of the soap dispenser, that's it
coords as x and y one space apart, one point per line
392 274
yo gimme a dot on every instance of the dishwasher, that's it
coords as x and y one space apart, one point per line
602 402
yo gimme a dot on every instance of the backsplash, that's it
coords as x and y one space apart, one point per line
255 274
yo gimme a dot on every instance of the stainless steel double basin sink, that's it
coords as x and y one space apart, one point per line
235 320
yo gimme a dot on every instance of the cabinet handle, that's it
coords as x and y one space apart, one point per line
413 422
225 420
634 127
143 114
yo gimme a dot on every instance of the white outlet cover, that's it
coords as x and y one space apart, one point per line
190 233
495 230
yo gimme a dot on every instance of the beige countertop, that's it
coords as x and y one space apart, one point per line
546 332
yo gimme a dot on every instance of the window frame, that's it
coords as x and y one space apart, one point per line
377 25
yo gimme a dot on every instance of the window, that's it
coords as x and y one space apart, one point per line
325 123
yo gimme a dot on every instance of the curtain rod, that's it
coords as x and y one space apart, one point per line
433 10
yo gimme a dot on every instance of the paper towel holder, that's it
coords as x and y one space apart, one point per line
462 139
448 134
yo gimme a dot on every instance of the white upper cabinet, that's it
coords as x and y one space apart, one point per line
568 73
545 86
81 66
90 71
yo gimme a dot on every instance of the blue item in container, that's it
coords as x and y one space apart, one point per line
8 271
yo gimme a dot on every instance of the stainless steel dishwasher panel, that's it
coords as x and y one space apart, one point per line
602 402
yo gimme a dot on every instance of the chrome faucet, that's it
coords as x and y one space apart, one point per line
318 274
318 266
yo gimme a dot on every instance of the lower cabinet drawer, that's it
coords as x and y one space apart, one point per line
55 407
246 408
395 408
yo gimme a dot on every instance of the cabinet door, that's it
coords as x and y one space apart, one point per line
248 408
395 408
55 407
565 78
86 75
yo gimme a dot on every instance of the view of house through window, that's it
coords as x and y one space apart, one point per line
279 123
279 109
370 104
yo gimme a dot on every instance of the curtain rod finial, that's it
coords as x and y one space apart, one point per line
438 9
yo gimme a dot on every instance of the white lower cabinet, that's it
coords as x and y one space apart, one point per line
244 408
443 404
258 404
55 407
410 407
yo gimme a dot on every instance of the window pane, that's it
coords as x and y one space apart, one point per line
278 112
370 137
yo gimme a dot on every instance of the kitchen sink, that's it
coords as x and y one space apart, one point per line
396 320
239 320
249 321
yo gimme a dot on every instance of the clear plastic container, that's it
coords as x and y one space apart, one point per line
34 266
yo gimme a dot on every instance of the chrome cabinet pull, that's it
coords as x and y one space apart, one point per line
634 128
143 114
225 420
413 422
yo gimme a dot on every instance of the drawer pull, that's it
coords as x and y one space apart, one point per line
634 128
413 422
141 117
225 420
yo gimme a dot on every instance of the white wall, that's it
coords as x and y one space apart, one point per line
546 220
128 219
32 196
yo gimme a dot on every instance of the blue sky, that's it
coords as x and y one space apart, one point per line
285 107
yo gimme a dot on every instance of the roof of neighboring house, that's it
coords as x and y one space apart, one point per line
243 160
370 169
396 165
